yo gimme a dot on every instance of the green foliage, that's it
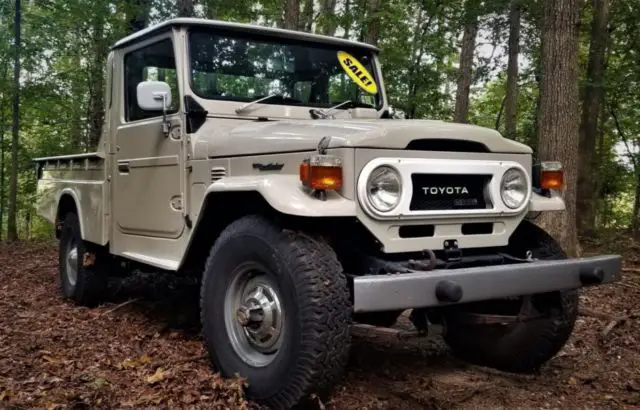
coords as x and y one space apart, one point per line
66 41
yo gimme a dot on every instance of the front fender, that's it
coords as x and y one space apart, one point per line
284 193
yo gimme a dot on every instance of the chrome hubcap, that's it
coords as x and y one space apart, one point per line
72 264
254 317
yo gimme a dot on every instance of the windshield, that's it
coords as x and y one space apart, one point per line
236 67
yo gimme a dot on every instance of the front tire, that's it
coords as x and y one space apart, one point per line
84 284
521 347
276 310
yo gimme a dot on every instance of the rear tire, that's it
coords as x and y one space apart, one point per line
84 285
276 310
521 347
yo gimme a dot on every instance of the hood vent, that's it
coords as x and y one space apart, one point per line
447 145
218 173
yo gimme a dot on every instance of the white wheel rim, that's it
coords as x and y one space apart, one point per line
72 263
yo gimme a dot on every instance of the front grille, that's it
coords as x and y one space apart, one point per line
448 192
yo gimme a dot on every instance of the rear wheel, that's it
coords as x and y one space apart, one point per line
81 277
515 346
276 310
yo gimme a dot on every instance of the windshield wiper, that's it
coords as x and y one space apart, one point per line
318 113
249 104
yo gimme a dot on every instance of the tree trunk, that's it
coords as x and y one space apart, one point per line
95 113
1 171
593 95
465 69
511 103
12 229
558 120
139 15
635 219
349 21
185 8
306 17
371 31
291 14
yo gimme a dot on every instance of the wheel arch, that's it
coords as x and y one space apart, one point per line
277 197
68 202
218 210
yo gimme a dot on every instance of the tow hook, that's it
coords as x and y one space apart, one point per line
452 253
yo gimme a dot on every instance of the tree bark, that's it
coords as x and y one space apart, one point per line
186 8
558 120
12 228
95 108
1 171
593 95
511 103
371 32
465 69
291 14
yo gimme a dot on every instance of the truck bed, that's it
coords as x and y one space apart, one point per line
82 179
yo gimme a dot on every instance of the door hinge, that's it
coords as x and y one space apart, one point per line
111 148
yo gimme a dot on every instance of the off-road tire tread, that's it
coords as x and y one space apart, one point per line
545 337
324 305
92 282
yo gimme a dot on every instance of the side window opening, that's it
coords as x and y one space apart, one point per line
155 62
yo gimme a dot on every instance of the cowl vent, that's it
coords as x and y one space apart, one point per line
218 173
446 145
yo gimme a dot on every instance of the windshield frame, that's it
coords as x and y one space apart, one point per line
380 96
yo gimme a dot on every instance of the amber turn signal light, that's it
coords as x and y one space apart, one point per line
551 175
321 172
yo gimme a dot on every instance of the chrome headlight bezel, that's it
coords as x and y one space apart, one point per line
377 173
521 187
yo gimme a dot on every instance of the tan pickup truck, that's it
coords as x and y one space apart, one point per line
265 162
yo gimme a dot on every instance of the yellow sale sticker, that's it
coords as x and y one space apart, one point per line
356 71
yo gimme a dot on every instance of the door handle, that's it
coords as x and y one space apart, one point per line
124 167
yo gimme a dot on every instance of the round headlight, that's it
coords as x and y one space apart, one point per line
384 188
514 188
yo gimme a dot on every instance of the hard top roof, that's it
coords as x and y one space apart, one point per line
251 28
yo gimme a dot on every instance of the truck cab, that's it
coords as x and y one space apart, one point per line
265 162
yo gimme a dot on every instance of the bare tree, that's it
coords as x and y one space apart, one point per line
12 228
465 69
593 95
511 102
558 118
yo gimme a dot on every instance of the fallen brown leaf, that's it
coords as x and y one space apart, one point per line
158 376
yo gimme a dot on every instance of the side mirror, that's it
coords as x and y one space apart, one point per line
153 95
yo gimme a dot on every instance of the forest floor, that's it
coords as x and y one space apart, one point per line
143 349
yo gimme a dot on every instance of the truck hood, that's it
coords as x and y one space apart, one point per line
221 138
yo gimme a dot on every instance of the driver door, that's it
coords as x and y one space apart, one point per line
148 177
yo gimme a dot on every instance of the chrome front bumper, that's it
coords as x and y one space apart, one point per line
442 287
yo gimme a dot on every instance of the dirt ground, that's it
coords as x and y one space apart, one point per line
143 350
